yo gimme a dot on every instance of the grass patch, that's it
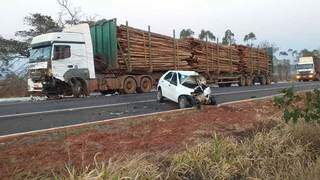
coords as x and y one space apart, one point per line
285 152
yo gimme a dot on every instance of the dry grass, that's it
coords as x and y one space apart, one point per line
13 87
285 152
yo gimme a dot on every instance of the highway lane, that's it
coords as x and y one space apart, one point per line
30 116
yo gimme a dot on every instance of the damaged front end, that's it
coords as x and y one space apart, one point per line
201 93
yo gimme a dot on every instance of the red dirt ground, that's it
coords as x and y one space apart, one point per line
52 151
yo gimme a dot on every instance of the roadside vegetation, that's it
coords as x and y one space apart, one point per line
289 149
285 152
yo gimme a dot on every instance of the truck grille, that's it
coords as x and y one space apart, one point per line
37 74
304 72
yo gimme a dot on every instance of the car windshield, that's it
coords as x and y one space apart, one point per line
305 66
189 81
40 54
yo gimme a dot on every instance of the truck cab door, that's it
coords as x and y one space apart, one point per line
68 58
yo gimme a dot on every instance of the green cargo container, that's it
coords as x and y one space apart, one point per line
104 41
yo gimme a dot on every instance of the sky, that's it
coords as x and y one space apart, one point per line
287 23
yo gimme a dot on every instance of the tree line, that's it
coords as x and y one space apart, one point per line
69 14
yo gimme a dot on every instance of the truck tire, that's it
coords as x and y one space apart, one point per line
77 89
129 85
183 102
145 85
268 81
242 81
263 80
159 96
249 81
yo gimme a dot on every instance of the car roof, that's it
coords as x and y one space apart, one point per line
188 73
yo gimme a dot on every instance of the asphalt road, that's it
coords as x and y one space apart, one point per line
21 117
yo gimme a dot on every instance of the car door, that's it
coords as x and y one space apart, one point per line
172 88
165 82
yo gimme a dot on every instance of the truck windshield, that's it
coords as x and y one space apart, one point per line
305 66
40 54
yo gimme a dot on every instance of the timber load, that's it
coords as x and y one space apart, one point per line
213 57
141 51
254 60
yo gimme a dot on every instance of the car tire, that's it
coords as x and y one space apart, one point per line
183 102
213 100
159 96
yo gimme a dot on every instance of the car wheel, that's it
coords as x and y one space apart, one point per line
213 101
159 96
183 102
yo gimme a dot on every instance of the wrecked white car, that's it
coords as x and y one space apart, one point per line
187 88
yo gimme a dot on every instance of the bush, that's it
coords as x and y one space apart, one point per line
295 107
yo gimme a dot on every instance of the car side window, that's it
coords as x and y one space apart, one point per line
168 77
61 52
174 79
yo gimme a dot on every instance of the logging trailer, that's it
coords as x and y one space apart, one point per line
105 58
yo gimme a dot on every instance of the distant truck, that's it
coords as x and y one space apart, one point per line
104 57
308 69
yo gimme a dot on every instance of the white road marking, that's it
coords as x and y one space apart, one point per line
73 109
130 117
137 102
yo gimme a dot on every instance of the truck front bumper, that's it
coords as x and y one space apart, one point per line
306 77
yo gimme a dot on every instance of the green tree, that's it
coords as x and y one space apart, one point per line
228 38
39 24
250 37
306 53
185 33
207 35
10 50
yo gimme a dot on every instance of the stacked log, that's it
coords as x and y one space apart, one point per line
144 51
213 57
254 60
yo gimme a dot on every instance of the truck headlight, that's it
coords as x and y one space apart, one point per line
298 76
311 76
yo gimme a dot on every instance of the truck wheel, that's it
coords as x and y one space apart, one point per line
145 85
248 81
242 81
159 96
268 81
77 89
183 102
263 80
129 85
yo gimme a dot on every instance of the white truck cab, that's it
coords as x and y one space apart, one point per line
307 69
64 58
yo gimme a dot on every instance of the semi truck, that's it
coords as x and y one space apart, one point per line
104 57
308 69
